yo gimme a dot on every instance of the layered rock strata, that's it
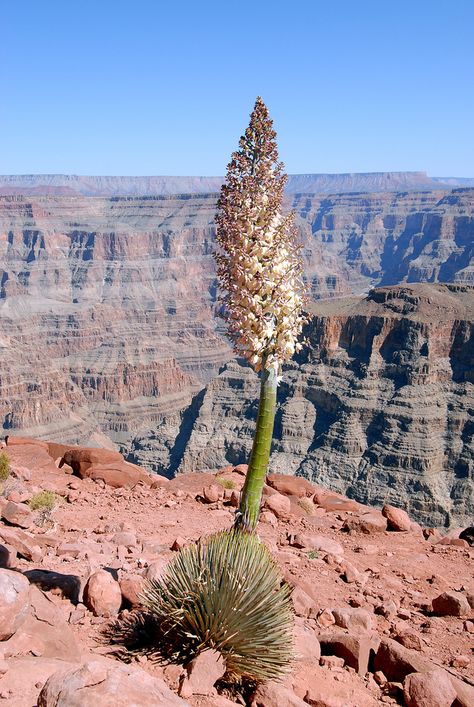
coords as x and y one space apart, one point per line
380 406
107 305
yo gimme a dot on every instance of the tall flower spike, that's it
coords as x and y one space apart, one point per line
260 269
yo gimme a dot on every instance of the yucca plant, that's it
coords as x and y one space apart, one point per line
225 592
260 271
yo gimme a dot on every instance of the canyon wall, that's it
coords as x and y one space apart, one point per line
380 404
108 333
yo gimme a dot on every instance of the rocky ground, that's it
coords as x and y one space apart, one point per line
384 609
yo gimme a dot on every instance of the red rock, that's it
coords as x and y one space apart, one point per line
212 493
70 549
274 694
325 618
240 469
202 673
333 662
107 683
397 519
454 542
306 643
355 620
461 661
302 602
8 557
451 604
131 587
45 632
279 505
14 602
323 690
290 485
80 459
334 502
430 689
350 573
24 544
17 514
119 474
102 594
316 542
396 662
409 639
368 523
125 538
178 543
156 568
388 609
356 651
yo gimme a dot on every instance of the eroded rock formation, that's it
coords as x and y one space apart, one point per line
107 305
380 406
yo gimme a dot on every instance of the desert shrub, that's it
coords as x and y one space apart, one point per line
43 500
4 467
225 483
224 592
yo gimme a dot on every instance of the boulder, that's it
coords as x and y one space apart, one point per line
45 632
202 673
80 459
279 505
25 545
397 519
106 683
131 587
368 523
14 602
354 620
355 650
17 514
306 643
451 604
290 485
430 689
102 594
212 493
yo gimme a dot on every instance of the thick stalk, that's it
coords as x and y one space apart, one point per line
249 510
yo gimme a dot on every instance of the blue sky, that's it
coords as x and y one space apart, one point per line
150 87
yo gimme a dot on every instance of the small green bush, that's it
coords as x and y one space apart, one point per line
43 500
4 467
312 555
225 483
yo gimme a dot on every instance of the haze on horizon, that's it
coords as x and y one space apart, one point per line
114 89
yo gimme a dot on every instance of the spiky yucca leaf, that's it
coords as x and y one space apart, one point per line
226 592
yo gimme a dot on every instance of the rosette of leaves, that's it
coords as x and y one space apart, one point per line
260 272
225 593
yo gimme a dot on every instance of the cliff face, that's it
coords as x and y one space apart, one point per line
107 305
380 406
106 314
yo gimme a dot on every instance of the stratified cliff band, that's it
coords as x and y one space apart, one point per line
108 327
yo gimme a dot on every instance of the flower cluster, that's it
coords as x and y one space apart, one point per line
259 264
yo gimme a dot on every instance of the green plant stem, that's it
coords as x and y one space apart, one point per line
249 510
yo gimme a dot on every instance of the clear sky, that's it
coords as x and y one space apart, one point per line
136 87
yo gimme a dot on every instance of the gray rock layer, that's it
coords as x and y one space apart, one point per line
380 406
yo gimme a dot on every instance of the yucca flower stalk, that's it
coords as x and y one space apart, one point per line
260 269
